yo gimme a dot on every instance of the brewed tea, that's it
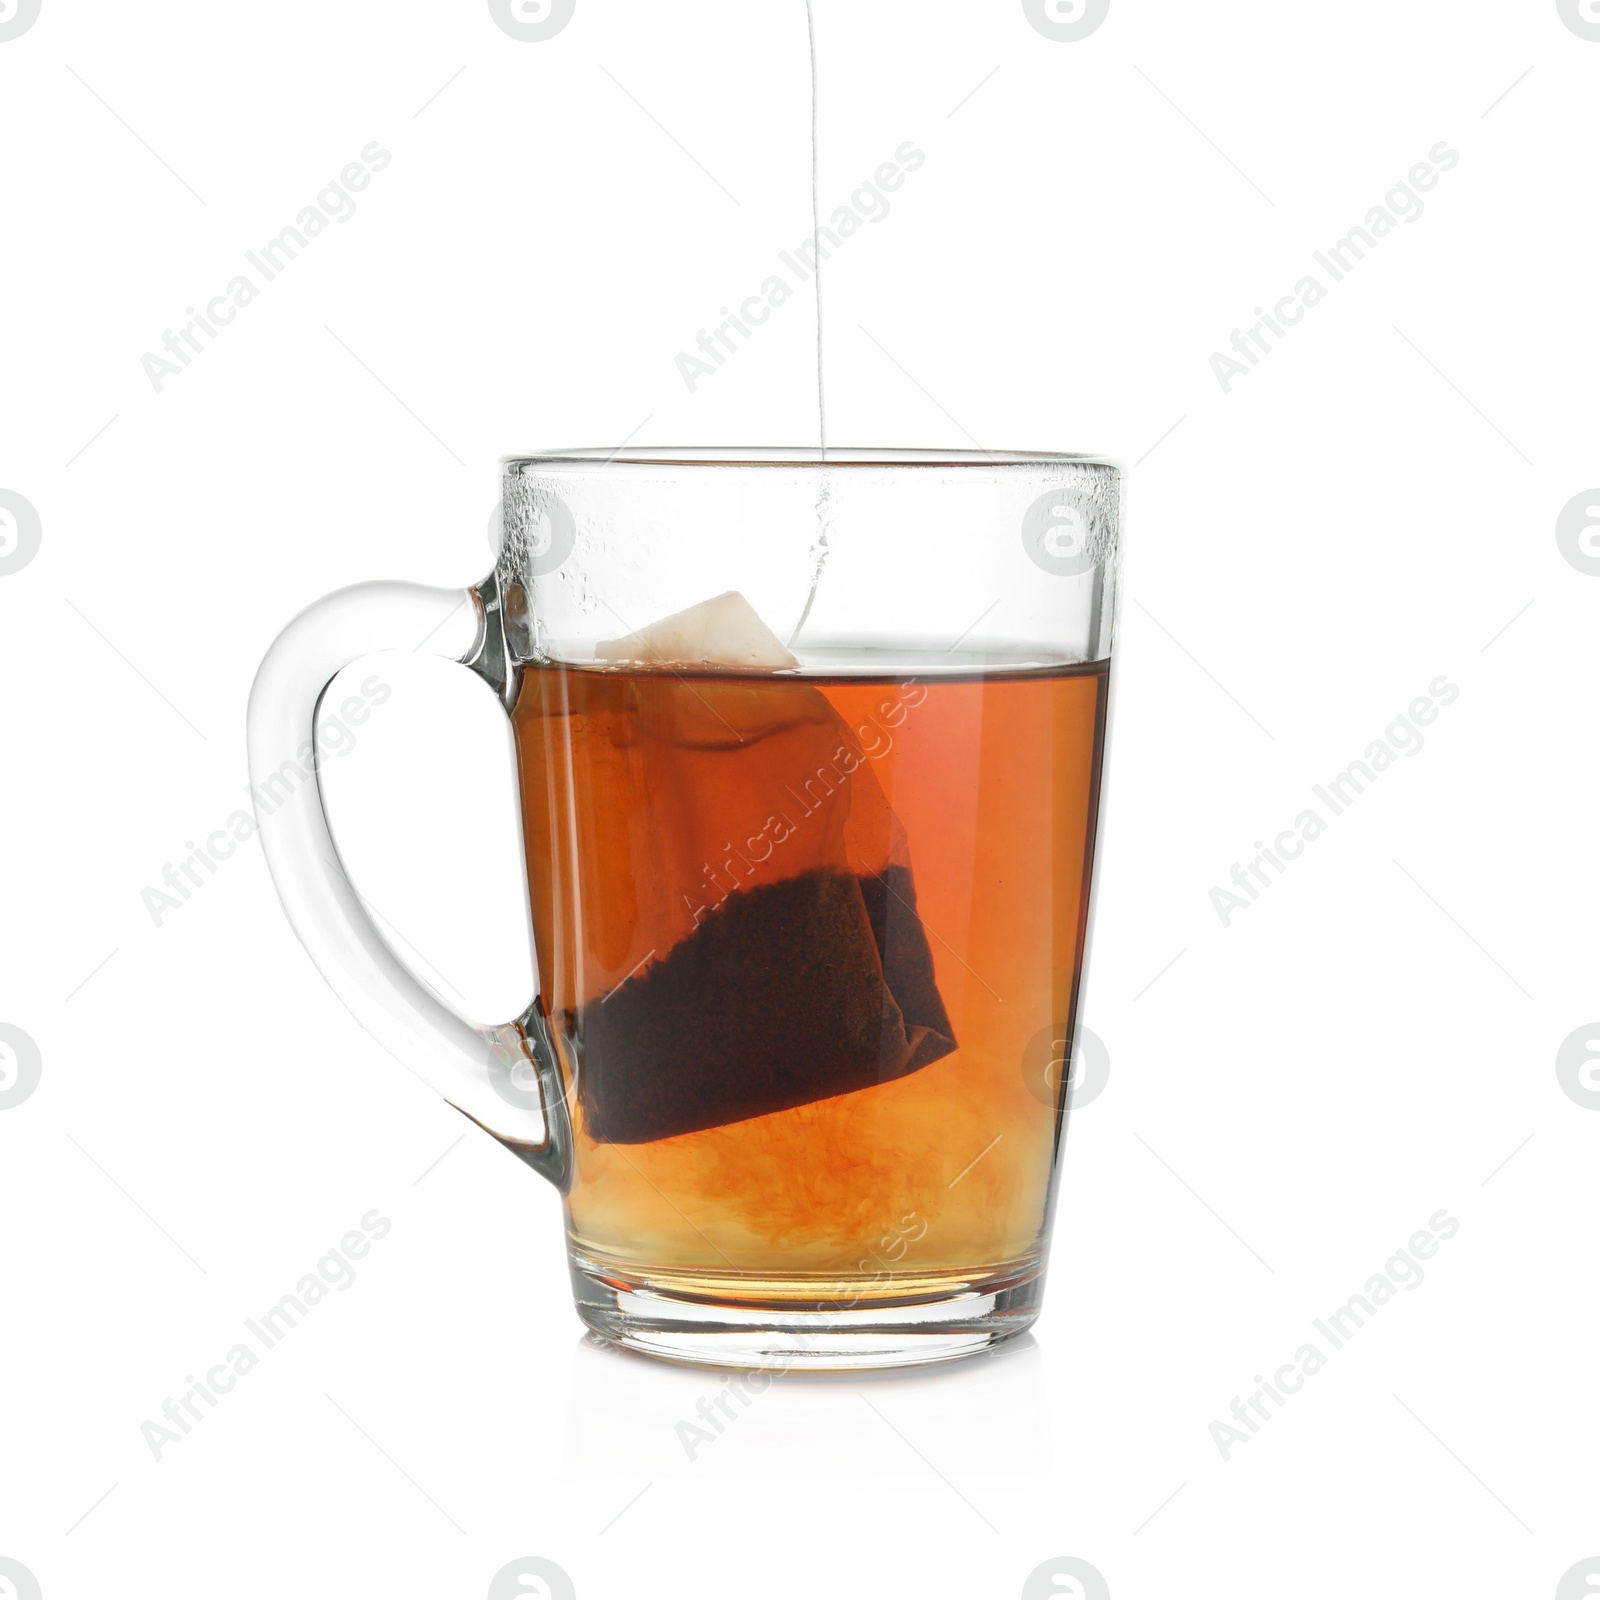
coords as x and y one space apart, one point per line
801 932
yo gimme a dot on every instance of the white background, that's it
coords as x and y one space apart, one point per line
1291 1097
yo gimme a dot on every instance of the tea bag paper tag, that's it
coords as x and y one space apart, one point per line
722 632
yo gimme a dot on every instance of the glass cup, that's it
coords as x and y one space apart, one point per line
809 754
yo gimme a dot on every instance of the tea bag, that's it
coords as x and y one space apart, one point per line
788 962
724 632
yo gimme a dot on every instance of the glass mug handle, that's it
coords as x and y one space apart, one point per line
505 1078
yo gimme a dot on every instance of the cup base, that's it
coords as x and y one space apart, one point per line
791 1332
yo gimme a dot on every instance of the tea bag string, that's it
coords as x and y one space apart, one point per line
816 232
820 548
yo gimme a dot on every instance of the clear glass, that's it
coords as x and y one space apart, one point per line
809 753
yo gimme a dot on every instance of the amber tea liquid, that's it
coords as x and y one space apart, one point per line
798 936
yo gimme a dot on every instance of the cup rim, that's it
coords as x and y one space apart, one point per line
798 456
